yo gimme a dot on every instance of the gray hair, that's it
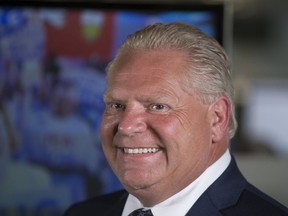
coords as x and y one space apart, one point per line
208 69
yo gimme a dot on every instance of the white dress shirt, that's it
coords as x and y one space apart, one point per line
180 203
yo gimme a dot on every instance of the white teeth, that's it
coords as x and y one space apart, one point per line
140 150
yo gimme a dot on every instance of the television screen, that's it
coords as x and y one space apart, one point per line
52 77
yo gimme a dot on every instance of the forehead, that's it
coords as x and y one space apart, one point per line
148 65
147 72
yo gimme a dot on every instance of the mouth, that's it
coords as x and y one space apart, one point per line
140 150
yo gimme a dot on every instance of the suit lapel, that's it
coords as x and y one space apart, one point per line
224 192
203 207
117 208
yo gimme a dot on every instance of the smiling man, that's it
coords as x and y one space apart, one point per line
166 129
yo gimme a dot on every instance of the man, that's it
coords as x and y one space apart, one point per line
166 129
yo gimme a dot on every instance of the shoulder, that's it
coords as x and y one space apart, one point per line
232 195
102 204
254 202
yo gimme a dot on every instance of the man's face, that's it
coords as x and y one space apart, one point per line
155 135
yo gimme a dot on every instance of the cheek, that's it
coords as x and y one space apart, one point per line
108 127
174 136
184 133
189 143
176 127
107 131
106 134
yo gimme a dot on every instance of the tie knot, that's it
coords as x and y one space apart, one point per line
141 212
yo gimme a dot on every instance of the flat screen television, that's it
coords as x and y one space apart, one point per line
52 76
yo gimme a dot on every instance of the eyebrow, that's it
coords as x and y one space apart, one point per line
108 96
154 97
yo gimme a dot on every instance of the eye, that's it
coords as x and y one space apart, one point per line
117 106
159 107
113 108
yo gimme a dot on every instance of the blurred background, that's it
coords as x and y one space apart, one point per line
260 46
52 77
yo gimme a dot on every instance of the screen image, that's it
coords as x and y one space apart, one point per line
52 79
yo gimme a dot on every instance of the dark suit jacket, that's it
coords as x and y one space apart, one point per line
229 195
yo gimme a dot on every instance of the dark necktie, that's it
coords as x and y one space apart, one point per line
141 212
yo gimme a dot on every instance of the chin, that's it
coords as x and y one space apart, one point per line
136 185
136 179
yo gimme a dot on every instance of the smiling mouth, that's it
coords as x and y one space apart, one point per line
140 150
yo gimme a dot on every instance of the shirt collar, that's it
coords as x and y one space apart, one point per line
180 203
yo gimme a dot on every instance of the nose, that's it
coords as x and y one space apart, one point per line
132 122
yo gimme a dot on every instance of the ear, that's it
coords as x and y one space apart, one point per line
220 115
